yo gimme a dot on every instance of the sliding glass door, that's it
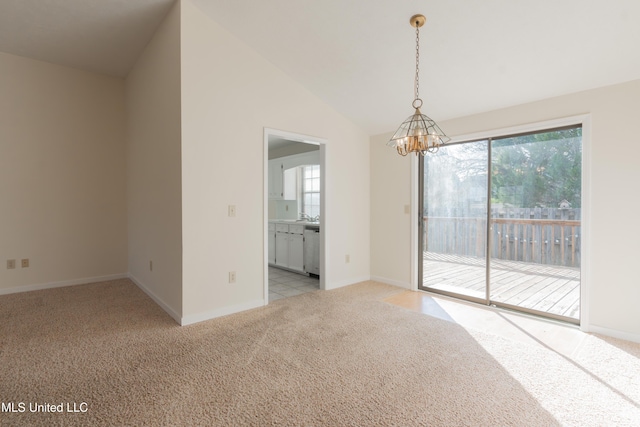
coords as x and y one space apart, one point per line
510 237
535 216
454 220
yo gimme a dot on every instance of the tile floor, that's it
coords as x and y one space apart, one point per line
284 283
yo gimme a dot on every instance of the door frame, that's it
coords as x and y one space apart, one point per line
306 139
585 275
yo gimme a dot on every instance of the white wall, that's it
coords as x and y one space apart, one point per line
229 95
614 284
154 167
291 150
390 225
62 175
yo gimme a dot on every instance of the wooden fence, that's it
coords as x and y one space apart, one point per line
538 235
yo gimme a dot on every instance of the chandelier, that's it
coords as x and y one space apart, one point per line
418 133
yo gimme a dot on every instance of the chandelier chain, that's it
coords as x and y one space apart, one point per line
417 81
418 133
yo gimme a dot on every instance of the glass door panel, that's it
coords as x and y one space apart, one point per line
454 221
535 222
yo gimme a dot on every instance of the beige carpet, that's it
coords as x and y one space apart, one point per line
334 358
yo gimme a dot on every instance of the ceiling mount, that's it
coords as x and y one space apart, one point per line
417 21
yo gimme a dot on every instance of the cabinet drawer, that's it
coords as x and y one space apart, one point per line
282 228
296 228
272 227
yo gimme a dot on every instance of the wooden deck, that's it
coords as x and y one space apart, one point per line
545 288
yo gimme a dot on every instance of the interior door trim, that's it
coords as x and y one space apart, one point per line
324 201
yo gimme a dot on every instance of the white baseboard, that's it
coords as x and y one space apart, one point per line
155 298
391 282
612 333
62 283
224 311
336 285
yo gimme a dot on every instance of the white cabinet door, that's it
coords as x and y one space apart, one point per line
270 179
296 252
275 179
282 249
288 246
290 184
272 243
277 167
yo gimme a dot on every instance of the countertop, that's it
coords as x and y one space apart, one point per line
295 221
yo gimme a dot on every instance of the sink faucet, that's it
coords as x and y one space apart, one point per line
304 216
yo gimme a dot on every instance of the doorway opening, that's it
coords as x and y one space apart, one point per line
294 214
501 222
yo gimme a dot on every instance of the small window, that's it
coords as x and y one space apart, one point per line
311 190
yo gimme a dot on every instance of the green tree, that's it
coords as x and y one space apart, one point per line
538 170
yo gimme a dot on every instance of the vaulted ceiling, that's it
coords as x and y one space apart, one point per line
358 56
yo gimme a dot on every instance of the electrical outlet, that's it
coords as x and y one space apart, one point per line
232 210
407 209
25 263
347 259
11 264
232 277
